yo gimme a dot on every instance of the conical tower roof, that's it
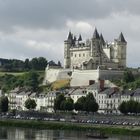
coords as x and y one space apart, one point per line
102 39
121 38
96 34
80 38
70 36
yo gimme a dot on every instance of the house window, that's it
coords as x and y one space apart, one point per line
83 54
79 55
75 55
71 54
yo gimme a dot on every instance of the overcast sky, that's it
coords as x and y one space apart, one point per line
33 28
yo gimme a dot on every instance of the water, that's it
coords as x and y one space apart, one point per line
33 134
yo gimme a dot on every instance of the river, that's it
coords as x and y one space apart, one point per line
13 133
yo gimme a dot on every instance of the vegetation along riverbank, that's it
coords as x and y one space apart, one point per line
71 126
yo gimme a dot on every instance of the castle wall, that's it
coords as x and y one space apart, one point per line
82 77
52 74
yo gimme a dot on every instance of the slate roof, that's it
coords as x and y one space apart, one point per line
121 38
96 34
70 36
78 92
102 39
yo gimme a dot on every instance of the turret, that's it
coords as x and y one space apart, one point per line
96 49
121 38
70 37
96 35
67 45
121 46
80 38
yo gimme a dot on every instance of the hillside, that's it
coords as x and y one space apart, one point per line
60 84
30 80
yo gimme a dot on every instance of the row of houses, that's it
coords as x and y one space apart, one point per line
107 96
45 102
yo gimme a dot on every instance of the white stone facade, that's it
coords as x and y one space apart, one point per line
94 52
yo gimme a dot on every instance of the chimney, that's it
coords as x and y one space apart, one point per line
101 82
116 89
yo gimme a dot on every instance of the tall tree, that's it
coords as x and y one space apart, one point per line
4 104
42 62
87 103
58 101
123 108
90 104
27 64
34 64
67 105
80 104
31 80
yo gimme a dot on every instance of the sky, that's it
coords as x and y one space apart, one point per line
34 28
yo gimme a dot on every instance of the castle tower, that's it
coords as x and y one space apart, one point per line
67 45
121 46
96 48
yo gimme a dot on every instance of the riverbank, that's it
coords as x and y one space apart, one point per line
108 129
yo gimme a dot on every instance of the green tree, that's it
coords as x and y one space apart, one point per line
27 64
128 76
90 104
123 108
30 104
4 104
31 80
79 105
138 108
58 101
67 105
34 63
42 63
87 103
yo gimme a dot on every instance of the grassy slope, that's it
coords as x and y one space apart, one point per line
60 84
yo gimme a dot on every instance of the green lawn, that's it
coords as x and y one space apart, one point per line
41 73
13 73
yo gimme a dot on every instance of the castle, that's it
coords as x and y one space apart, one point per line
90 61
94 53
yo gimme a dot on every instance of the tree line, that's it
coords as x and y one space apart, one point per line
14 65
128 81
129 107
87 103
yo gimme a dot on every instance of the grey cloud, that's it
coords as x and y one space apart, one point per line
54 13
